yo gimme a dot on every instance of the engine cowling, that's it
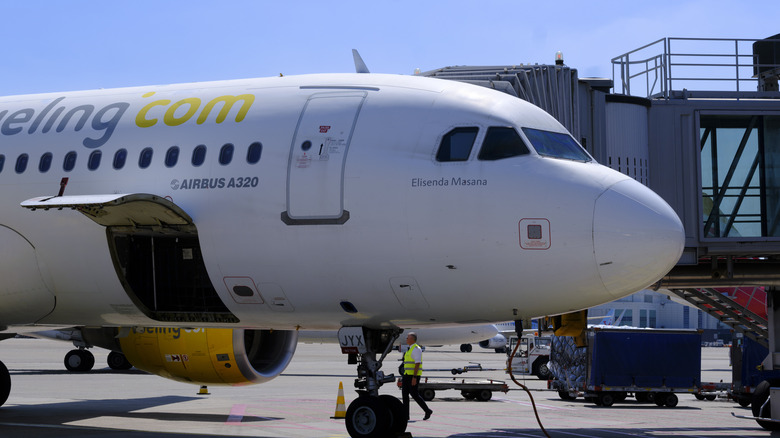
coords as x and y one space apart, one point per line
210 356
497 341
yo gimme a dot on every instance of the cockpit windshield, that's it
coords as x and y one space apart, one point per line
556 145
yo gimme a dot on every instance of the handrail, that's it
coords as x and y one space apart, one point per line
690 64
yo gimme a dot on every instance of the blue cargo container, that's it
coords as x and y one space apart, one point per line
651 364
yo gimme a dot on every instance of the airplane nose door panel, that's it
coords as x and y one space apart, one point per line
317 156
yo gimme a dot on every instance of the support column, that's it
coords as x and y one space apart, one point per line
772 361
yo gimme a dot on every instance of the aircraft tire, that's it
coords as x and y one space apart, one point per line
760 396
118 361
79 361
465 348
5 383
368 417
398 420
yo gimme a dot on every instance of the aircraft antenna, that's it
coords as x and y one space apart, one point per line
360 66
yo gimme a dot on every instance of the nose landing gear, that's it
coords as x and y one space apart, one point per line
372 415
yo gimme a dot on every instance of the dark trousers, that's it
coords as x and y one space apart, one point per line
407 389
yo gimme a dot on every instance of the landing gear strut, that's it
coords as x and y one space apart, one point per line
372 415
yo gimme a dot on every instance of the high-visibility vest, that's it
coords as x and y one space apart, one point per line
409 362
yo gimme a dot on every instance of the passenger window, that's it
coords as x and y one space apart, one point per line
45 164
556 145
21 163
2 162
254 152
226 154
120 157
69 162
501 142
198 155
146 158
172 156
456 144
94 160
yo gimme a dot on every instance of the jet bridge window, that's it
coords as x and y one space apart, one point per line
45 163
21 163
456 145
556 145
502 142
70 161
2 162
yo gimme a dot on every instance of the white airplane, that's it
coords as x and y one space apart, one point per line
259 207
80 359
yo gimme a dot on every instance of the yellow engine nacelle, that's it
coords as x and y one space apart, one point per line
210 356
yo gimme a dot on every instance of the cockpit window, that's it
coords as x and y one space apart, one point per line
456 145
502 142
556 145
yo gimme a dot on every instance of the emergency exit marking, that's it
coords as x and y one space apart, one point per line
534 233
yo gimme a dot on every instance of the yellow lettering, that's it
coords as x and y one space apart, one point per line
170 115
228 102
141 120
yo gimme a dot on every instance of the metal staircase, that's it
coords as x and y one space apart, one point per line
728 311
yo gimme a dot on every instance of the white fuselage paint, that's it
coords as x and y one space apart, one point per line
421 246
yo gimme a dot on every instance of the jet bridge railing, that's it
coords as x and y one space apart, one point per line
681 67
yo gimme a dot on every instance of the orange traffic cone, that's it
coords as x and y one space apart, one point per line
341 408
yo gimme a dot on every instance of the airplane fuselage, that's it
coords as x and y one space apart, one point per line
333 206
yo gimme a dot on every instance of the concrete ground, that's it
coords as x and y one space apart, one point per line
48 401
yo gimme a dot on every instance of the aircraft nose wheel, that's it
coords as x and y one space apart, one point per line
368 417
376 417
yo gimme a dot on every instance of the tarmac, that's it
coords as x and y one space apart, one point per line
48 401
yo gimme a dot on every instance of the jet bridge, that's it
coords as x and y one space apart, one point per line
698 121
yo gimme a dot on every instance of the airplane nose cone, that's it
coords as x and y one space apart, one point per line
637 237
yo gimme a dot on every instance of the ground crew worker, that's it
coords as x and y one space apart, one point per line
412 373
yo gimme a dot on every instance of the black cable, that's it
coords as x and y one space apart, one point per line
533 403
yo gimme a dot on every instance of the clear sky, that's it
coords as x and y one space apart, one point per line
81 44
